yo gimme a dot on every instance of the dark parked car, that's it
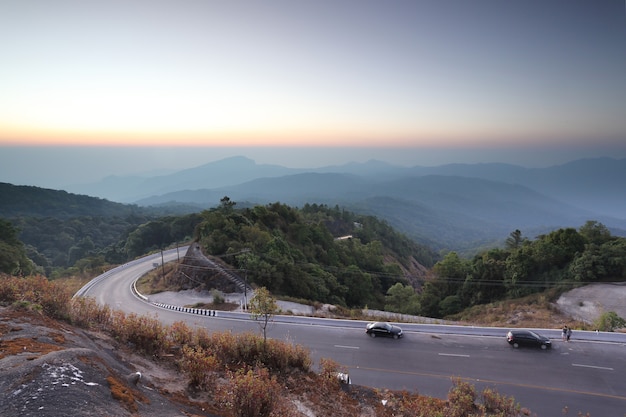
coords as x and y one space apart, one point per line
517 338
383 329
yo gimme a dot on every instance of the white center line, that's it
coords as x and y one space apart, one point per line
346 347
591 366
459 355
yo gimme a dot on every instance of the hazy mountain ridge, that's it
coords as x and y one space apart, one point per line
225 172
450 206
24 200
595 184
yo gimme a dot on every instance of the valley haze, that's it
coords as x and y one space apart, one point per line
452 206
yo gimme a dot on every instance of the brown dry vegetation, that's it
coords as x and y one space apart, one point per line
157 280
216 374
533 311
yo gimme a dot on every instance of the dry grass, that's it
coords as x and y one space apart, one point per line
157 280
536 311
26 346
125 394
278 374
74 282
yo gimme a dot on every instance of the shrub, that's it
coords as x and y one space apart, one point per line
146 334
85 312
251 393
609 321
218 297
201 338
497 404
199 365
249 349
180 334
415 405
9 291
461 399
52 298
328 374
282 356
462 402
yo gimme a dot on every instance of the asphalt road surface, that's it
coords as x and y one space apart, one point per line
585 375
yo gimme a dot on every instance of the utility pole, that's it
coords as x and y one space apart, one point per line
245 289
162 265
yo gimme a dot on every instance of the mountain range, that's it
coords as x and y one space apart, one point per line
452 206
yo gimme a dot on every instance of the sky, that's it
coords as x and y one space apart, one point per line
94 88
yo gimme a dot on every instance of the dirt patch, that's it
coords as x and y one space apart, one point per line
589 302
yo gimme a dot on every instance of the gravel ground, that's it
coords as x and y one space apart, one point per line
589 302
191 297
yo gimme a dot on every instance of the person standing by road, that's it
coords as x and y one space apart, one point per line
564 333
569 333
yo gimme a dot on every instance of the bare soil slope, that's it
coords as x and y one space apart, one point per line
50 369
589 302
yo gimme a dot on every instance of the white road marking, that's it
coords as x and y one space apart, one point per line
346 347
459 355
591 366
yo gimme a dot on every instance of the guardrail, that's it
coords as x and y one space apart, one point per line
441 329
199 311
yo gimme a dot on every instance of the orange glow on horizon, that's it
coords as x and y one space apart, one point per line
374 137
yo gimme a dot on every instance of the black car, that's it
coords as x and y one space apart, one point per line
383 329
517 338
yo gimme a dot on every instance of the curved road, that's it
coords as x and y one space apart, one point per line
585 375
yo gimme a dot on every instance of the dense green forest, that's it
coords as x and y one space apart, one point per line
64 231
296 252
13 258
28 201
84 242
293 252
563 258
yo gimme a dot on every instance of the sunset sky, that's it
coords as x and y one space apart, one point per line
399 80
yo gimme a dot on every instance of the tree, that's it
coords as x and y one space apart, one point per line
429 299
450 305
226 204
595 232
402 299
451 272
262 308
514 240
13 259
360 288
610 321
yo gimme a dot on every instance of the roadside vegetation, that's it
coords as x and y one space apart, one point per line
243 375
550 264
327 255
317 254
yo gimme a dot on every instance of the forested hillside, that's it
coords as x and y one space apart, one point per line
318 253
27 201
563 259
13 259
60 230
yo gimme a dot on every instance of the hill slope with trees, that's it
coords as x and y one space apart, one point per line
63 230
316 253
561 259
